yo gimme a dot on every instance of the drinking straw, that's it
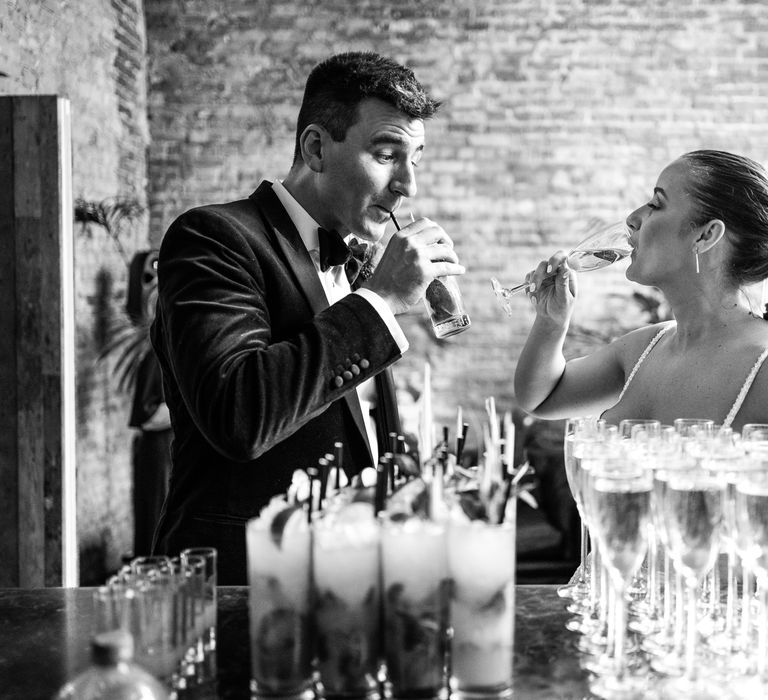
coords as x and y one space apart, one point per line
312 474
394 220
426 447
460 441
389 466
380 492
511 483
324 464
459 422
509 442
338 448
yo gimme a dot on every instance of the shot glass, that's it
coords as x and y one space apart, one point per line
206 618
446 307
481 562
279 571
416 588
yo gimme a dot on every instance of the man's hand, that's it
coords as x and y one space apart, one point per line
414 256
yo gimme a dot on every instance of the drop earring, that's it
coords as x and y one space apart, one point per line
696 257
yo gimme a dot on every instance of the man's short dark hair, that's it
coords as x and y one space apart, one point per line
336 87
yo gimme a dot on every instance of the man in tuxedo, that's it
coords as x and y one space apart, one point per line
265 349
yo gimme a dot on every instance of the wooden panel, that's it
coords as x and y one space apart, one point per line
9 481
42 331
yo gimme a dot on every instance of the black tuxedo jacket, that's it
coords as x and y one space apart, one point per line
254 364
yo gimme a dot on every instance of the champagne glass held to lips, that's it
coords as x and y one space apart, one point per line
607 244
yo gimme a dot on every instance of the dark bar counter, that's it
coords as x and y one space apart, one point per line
44 640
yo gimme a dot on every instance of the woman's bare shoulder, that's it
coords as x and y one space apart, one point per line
632 344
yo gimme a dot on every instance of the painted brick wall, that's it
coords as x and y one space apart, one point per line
556 111
92 52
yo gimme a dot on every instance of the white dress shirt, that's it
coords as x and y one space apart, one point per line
336 286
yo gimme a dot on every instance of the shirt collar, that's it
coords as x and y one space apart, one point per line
304 223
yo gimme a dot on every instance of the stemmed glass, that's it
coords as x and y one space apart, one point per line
692 507
751 512
620 497
605 245
575 428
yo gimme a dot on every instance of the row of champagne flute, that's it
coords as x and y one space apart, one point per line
663 506
168 605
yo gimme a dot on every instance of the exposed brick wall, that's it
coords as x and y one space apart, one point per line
93 53
555 111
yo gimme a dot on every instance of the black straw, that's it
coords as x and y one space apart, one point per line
338 449
460 440
394 220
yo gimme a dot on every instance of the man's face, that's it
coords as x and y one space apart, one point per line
370 172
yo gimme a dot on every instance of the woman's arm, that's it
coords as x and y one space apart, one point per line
545 384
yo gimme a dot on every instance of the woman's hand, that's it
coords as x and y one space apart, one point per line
552 289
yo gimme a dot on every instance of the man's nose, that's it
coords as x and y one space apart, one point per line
404 181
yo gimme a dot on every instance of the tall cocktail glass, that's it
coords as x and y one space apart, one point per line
279 551
346 611
481 562
416 587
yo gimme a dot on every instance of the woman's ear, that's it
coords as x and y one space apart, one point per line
311 143
708 236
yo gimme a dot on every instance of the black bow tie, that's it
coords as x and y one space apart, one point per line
333 250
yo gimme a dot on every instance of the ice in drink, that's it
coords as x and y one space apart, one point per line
446 307
346 601
481 562
416 587
279 573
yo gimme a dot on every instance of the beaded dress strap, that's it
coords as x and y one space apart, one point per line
745 389
641 359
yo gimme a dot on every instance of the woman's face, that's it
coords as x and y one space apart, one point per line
661 230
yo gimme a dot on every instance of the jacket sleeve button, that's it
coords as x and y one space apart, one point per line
364 364
338 381
347 375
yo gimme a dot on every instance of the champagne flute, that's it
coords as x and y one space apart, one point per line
620 494
693 504
605 245
752 539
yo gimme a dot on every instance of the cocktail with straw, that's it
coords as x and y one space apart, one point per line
481 561
346 611
444 303
279 572
605 245
416 588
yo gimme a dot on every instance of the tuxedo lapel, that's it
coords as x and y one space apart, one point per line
286 239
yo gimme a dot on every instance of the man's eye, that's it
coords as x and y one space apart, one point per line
385 156
651 205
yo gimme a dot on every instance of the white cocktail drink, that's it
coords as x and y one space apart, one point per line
416 588
346 601
279 571
481 562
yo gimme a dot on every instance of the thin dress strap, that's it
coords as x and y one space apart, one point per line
745 389
641 359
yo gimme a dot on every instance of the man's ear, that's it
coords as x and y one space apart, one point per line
708 236
311 142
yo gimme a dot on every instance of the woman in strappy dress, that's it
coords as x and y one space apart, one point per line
701 238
